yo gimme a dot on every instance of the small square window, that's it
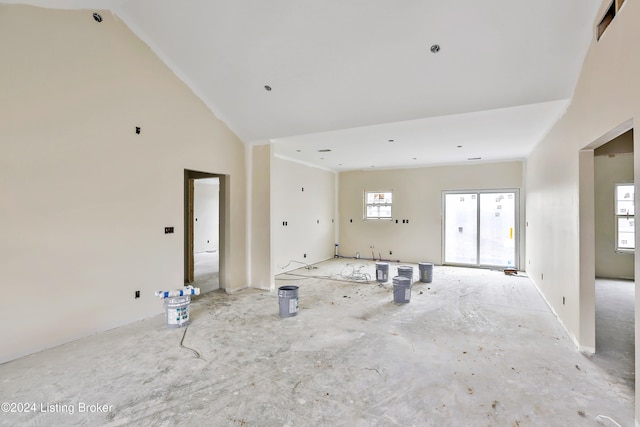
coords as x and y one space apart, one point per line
378 204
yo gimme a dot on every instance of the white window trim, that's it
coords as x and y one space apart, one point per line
617 216
365 205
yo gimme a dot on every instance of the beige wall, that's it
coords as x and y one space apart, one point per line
559 180
310 214
610 170
261 236
85 199
417 196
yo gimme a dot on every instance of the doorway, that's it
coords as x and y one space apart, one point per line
480 228
614 219
204 230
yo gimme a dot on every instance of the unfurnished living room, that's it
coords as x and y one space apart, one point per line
312 213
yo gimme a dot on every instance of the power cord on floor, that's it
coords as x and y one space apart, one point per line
195 353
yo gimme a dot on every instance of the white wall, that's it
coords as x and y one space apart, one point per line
608 172
310 214
417 196
84 199
205 213
560 241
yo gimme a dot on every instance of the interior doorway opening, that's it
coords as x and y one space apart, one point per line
204 208
614 224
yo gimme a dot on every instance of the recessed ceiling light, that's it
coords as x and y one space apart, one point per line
474 158
459 146
267 88
324 150
390 140
435 48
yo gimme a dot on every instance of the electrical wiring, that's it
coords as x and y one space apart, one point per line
334 279
355 275
307 266
195 353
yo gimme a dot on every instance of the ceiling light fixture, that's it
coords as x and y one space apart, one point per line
267 88
435 48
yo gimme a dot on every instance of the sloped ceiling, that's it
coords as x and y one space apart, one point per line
358 77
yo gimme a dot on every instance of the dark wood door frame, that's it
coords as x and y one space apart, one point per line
189 178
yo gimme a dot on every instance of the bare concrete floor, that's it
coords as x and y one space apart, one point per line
615 317
206 271
472 348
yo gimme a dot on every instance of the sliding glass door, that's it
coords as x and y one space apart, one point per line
480 228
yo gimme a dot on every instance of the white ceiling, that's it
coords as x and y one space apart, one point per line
350 75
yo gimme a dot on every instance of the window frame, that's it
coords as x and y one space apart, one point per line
365 215
618 216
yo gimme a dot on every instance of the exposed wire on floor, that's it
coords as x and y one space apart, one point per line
307 266
355 275
195 353
607 418
318 277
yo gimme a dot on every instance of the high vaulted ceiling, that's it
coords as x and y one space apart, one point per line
359 78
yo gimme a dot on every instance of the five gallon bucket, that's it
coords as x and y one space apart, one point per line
426 272
177 311
406 271
288 299
401 289
382 271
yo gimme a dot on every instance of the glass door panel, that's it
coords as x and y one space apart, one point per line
497 229
461 228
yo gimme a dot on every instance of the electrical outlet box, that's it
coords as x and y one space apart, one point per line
168 230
